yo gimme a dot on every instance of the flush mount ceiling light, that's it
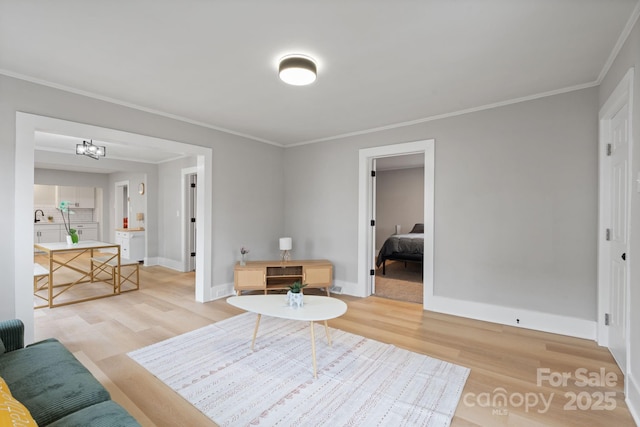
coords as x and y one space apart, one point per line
297 70
88 149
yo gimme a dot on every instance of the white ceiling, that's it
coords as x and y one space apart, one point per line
115 150
380 63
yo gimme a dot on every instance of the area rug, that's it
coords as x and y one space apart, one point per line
361 382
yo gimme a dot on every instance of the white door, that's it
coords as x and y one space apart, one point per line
619 236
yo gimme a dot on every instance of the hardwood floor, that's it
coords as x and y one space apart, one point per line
504 361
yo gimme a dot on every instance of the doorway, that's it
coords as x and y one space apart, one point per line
366 203
121 219
398 197
26 126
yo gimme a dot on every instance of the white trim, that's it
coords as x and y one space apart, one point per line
624 35
529 319
169 263
222 291
622 94
632 396
313 141
365 243
451 114
26 125
130 105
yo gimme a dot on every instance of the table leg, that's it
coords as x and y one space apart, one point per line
50 290
326 329
313 351
255 331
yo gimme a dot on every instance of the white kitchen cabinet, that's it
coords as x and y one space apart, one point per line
44 195
87 231
131 244
46 233
78 197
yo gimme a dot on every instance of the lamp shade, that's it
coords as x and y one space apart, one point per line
285 243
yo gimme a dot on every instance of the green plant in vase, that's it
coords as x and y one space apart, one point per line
296 287
63 207
295 296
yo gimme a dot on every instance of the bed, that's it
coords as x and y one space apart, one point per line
403 247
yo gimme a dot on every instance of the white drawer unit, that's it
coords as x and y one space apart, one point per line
87 231
131 244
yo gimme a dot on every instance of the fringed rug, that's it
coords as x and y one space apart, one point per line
361 382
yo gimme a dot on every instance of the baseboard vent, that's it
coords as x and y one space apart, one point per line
336 289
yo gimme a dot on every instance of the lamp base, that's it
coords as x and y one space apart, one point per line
285 256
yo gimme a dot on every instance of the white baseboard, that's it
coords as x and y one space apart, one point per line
632 397
170 263
528 319
349 288
518 317
222 291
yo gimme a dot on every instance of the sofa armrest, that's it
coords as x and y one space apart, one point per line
12 334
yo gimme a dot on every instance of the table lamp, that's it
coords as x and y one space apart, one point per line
285 247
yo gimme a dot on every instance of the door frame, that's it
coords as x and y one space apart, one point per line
622 94
366 245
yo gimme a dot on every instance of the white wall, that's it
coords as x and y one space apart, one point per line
515 203
628 57
399 201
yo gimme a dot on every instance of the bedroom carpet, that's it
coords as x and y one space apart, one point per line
361 382
400 283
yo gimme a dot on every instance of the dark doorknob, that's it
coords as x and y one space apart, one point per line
624 256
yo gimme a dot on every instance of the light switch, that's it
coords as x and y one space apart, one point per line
178 214
638 183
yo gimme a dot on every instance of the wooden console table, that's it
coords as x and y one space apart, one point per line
271 275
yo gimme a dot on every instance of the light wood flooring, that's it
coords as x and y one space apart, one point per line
503 360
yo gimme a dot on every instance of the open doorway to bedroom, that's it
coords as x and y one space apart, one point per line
399 216
367 256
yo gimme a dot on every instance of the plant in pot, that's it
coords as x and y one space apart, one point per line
72 235
294 296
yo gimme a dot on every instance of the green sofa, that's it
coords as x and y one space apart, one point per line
53 385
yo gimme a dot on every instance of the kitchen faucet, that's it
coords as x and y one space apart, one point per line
35 215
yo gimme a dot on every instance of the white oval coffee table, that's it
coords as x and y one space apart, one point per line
315 309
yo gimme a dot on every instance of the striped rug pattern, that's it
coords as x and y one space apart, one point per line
361 382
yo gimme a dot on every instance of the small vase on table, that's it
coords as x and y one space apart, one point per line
243 253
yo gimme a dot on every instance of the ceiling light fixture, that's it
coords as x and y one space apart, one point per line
297 70
88 149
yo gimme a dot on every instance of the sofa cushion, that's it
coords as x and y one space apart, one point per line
12 412
105 414
50 381
2 348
